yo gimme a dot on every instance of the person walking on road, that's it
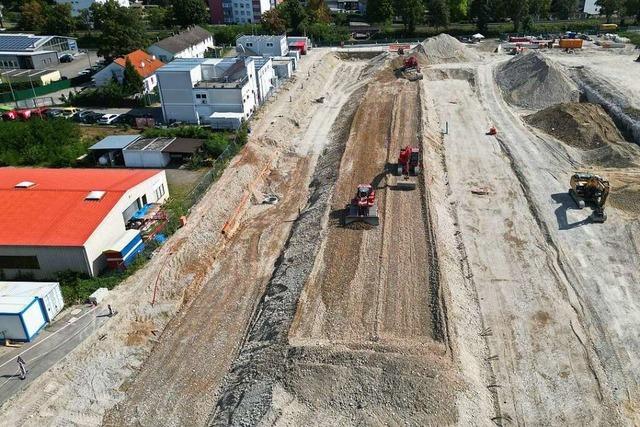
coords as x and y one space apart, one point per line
23 367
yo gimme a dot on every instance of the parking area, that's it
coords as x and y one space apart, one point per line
83 60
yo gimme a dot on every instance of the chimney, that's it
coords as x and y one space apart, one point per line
142 64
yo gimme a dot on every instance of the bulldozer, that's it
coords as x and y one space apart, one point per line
410 69
407 168
363 207
587 188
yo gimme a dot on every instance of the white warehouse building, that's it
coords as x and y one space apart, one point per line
206 91
66 219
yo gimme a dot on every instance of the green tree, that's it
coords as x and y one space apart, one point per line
33 16
273 22
121 29
439 13
294 13
318 11
157 17
380 11
562 9
609 7
59 20
132 81
458 10
189 12
411 12
517 11
481 12
540 8
632 7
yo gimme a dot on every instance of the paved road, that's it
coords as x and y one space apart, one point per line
82 60
53 343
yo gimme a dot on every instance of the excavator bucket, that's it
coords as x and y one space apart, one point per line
353 214
406 183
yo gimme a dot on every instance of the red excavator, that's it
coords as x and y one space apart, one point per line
408 167
363 206
410 69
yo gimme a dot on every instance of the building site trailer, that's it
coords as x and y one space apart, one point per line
21 318
48 294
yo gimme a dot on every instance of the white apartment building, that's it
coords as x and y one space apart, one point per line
78 5
215 92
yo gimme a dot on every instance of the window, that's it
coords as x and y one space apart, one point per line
19 262
269 44
249 44
159 192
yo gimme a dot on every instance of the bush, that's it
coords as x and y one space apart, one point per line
111 95
38 142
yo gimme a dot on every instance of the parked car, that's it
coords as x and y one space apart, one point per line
108 119
54 113
84 72
68 112
91 118
66 58
10 115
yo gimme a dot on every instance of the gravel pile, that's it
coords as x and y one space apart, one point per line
585 126
444 48
534 82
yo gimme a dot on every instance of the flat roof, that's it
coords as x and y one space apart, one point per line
184 145
150 144
114 142
26 289
18 72
15 305
55 211
219 115
17 53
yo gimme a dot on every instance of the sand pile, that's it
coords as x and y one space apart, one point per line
585 126
444 48
532 81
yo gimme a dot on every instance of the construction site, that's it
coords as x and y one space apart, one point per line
445 235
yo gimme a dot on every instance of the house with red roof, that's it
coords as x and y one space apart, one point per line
71 219
144 63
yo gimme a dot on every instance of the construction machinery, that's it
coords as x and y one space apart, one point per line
410 69
587 188
408 168
363 207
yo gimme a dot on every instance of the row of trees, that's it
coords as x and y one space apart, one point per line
440 13
46 16
314 19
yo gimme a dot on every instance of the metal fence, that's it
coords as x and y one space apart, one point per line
20 95
218 167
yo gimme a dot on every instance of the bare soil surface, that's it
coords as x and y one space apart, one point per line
580 125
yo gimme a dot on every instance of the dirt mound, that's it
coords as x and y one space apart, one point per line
444 48
580 125
532 81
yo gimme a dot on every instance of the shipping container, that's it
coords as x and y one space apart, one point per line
48 294
608 27
21 318
571 43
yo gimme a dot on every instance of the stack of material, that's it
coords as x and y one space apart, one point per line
444 49
534 82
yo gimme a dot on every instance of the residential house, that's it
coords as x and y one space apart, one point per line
238 11
146 65
220 92
193 42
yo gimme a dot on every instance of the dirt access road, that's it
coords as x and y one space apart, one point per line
554 289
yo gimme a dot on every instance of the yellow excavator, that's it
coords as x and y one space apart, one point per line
587 188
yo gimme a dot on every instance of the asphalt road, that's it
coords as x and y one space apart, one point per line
82 60
50 346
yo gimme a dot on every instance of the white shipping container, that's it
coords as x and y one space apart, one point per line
48 294
21 318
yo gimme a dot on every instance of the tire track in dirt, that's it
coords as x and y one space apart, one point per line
374 284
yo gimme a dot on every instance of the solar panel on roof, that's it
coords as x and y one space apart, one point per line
17 42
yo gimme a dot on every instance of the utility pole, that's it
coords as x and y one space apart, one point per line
13 95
